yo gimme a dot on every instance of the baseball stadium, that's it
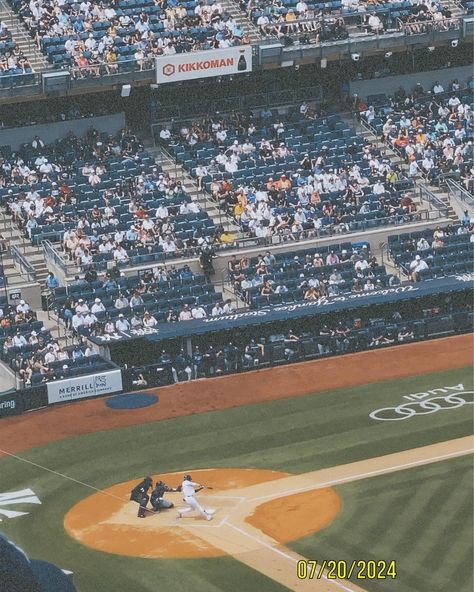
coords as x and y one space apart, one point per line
236 296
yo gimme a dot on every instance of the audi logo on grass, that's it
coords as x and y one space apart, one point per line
425 404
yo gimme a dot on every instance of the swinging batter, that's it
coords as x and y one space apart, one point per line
189 489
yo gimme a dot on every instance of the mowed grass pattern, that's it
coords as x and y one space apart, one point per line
420 517
296 435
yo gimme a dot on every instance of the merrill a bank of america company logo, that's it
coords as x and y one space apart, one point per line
168 69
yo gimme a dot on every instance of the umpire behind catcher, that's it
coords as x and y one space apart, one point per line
140 495
157 496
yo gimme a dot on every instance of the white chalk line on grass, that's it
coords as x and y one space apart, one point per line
283 554
389 469
57 473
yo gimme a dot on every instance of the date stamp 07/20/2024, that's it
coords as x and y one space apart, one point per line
360 569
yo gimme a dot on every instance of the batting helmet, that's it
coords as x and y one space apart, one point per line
187 478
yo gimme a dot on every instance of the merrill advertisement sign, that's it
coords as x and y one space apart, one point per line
203 64
81 387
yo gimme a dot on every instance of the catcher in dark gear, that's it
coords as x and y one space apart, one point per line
140 495
157 496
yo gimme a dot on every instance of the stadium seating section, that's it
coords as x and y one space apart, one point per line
122 170
294 269
324 18
418 131
452 258
159 297
340 147
13 64
119 33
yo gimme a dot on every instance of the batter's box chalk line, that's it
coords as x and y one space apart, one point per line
189 525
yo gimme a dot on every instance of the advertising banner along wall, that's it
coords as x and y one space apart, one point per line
81 387
203 64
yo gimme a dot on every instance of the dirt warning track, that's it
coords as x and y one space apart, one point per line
198 396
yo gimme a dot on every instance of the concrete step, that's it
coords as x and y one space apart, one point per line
204 199
244 23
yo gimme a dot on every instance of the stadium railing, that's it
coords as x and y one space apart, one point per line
69 268
464 197
422 27
25 266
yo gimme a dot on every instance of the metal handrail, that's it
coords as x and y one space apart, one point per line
433 200
459 192
245 243
421 27
25 267
53 255
111 69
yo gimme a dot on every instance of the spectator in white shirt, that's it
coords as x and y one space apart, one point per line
97 306
217 310
422 244
50 356
77 320
23 307
120 254
168 245
81 306
89 320
122 323
229 307
149 320
198 312
416 266
121 301
19 340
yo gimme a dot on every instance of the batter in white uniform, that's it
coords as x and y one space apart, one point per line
189 489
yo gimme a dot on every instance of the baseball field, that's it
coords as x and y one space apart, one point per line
352 473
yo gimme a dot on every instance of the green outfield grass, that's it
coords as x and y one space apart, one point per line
295 435
422 518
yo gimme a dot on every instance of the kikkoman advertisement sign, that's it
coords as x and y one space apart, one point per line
203 64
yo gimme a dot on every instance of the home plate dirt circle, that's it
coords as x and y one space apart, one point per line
107 521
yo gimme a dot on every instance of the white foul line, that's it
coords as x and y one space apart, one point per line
283 554
360 475
30 462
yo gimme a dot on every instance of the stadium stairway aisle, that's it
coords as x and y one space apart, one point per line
174 169
244 23
22 39
33 253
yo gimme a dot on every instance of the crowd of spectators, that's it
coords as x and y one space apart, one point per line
12 59
308 275
24 341
329 20
435 253
428 16
104 198
312 26
292 175
433 132
89 35
139 303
